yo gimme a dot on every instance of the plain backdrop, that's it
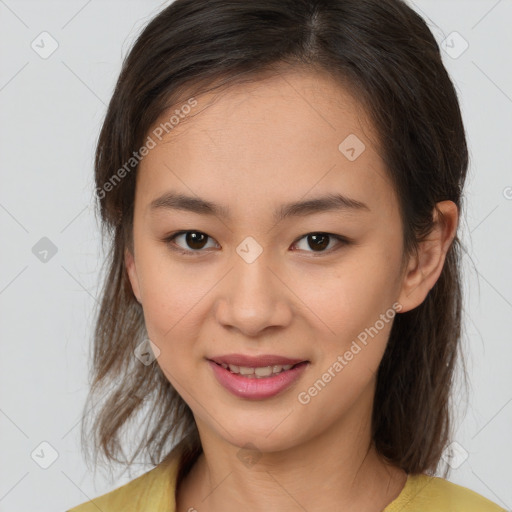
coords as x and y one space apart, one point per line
51 109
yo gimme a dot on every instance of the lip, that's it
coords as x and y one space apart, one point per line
255 361
257 389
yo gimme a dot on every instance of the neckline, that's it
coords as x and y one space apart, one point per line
409 492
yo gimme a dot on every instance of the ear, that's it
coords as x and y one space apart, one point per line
129 263
425 267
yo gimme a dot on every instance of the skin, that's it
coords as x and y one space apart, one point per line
255 147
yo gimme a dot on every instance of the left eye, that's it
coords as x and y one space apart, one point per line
320 241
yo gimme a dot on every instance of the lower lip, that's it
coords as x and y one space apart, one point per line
254 388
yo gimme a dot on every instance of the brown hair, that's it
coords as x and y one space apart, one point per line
387 55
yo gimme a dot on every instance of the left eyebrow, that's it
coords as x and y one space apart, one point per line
330 202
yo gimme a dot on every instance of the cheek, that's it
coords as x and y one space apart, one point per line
355 316
177 298
352 295
172 299
170 289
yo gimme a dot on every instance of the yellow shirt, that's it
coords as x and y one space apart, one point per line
154 491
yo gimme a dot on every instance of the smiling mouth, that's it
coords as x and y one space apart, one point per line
259 372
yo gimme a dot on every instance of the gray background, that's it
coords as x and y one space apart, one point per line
51 112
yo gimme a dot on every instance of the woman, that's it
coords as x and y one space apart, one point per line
282 182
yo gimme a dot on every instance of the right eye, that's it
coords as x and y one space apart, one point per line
195 240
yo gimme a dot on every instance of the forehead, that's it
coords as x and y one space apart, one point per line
280 137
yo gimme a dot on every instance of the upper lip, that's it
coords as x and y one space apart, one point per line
255 361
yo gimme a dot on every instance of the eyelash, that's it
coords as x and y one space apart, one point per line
169 240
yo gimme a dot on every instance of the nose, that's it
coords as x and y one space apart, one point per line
253 297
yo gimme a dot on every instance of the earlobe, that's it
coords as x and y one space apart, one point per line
129 264
426 265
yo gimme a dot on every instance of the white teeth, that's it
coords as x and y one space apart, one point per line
264 372
257 373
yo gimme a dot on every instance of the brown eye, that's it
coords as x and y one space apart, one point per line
319 242
195 240
191 241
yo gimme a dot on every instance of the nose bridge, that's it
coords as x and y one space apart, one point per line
252 298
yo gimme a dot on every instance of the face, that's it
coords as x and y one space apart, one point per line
248 274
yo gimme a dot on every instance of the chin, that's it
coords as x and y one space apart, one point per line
268 437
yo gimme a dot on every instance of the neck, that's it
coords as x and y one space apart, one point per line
337 470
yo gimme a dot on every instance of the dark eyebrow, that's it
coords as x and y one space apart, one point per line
330 202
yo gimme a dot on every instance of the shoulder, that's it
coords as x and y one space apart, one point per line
153 490
423 493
